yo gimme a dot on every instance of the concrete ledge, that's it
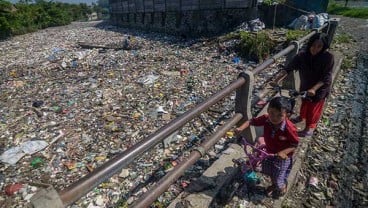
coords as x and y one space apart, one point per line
202 192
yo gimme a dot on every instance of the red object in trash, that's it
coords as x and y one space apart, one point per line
261 103
184 184
12 188
183 72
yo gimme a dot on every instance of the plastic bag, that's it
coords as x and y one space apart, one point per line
14 154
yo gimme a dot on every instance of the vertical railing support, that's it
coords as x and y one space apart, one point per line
292 81
331 29
243 103
46 197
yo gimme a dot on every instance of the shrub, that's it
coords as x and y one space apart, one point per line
255 46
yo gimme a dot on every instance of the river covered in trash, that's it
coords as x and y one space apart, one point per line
73 97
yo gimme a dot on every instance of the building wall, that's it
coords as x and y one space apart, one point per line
182 17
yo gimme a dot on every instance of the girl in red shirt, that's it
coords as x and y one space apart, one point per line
280 137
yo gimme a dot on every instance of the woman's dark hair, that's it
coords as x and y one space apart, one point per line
281 103
318 36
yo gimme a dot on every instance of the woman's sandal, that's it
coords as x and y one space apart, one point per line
304 133
296 120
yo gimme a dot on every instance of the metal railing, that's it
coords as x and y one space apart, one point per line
243 87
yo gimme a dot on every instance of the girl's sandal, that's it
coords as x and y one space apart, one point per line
280 192
270 190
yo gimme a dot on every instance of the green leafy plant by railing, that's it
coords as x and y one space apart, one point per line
292 35
255 46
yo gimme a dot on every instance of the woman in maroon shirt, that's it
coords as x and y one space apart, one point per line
315 66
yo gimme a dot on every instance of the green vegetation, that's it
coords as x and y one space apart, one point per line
334 8
342 38
255 46
258 46
24 17
348 62
292 35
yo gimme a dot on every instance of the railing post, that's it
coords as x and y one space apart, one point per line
243 103
331 28
46 197
292 80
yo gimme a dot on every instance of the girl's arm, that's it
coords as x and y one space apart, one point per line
283 154
259 121
242 127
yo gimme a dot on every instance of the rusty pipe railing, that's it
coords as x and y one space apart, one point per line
105 171
150 196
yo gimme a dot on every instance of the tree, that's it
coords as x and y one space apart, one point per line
5 28
23 17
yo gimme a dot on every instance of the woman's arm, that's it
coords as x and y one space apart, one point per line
326 76
293 65
312 91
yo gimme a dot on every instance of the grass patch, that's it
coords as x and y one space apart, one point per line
347 62
342 38
337 9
